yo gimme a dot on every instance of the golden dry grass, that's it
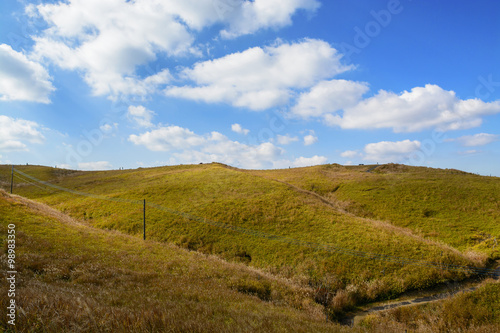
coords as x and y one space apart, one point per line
73 278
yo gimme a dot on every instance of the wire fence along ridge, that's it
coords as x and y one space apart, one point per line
256 233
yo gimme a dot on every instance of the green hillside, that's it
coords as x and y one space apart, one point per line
457 208
356 236
73 278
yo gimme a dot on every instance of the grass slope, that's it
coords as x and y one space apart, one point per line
451 206
74 278
325 204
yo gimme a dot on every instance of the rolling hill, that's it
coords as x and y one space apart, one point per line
355 236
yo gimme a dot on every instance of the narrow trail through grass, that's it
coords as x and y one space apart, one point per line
418 298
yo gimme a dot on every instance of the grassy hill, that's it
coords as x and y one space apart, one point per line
355 236
74 278
457 208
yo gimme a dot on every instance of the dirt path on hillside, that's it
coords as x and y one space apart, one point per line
445 292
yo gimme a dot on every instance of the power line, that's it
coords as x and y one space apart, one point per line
284 239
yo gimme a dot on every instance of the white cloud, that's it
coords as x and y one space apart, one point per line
261 78
238 129
233 153
475 140
310 139
247 17
286 139
63 166
387 151
309 161
328 97
108 127
15 133
107 41
416 110
22 79
170 138
140 115
188 147
300 162
94 166
350 154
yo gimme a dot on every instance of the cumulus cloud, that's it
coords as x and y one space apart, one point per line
22 79
107 41
328 97
171 138
238 129
309 161
387 151
15 133
140 115
246 17
300 162
415 110
94 166
310 139
475 140
261 78
286 139
63 166
350 154
188 147
108 127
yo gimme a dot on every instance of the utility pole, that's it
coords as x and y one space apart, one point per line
11 179
144 218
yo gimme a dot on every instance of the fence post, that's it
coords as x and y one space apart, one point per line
11 179
144 218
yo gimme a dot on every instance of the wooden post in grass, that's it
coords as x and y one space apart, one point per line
144 218
11 179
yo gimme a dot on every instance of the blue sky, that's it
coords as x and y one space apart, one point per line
97 85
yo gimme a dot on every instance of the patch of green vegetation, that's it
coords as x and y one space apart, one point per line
454 207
